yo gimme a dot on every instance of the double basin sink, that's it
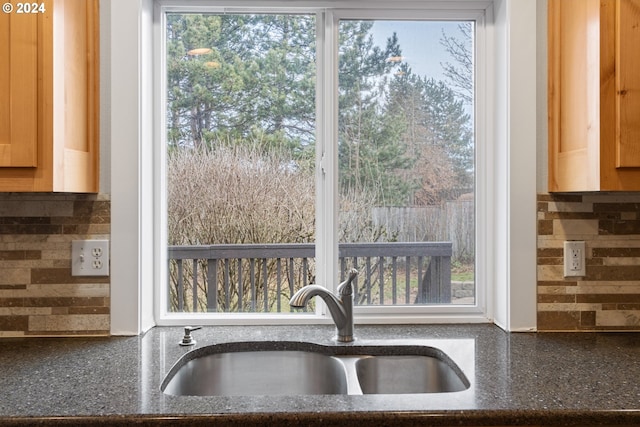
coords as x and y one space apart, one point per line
301 368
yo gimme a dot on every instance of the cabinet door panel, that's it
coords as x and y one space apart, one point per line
628 83
19 90
574 95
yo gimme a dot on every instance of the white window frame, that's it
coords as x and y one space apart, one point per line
327 161
509 253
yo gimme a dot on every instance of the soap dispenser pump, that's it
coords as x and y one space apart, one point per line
187 339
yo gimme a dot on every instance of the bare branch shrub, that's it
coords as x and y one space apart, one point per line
241 194
355 219
436 174
237 194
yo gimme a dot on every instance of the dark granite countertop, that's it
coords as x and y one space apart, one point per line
516 379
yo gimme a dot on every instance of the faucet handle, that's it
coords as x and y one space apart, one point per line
187 339
344 288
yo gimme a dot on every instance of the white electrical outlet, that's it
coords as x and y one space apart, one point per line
90 258
574 259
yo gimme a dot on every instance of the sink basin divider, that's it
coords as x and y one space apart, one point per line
353 384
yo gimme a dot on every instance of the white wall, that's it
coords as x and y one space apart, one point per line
520 287
130 127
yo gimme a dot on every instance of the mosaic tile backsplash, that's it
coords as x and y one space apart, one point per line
38 295
608 297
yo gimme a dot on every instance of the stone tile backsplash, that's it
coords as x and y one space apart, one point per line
608 297
38 295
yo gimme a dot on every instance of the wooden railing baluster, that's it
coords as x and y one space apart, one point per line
180 286
432 286
252 280
212 285
194 286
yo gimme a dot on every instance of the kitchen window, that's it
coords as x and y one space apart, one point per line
299 143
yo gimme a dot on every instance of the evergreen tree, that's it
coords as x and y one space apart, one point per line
450 128
251 79
371 153
253 74
437 135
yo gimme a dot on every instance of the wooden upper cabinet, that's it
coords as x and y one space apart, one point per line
19 80
49 106
594 95
628 84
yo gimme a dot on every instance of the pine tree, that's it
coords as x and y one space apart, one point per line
437 136
450 127
371 152
254 76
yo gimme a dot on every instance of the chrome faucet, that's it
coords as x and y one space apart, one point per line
340 307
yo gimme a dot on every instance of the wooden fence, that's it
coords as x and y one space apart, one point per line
452 222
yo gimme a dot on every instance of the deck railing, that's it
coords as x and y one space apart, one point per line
262 278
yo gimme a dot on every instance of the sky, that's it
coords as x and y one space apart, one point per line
420 43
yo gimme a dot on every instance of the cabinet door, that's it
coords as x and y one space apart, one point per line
628 83
19 89
75 103
574 95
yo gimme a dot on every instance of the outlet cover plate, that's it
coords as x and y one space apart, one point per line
90 258
574 259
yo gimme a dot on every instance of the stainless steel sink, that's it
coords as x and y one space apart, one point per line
407 374
251 373
300 368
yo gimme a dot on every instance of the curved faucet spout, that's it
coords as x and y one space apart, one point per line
302 297
340 307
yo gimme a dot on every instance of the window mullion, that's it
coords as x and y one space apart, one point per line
327 153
